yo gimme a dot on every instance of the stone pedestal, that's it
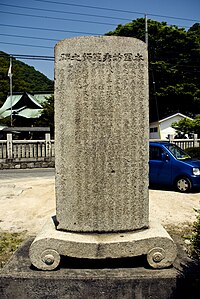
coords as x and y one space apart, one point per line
100 279
101 146
51 243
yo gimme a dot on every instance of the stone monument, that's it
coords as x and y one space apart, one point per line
101 145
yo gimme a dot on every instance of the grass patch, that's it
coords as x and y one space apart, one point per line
182 231
9 242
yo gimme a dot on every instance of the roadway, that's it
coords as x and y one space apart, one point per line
6 174
27 199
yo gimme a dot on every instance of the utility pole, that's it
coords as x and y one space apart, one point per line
146 30
10 76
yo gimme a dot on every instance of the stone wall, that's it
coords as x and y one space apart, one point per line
22 165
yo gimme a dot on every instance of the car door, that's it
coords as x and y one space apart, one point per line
160 171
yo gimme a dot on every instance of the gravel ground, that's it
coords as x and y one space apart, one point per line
26 204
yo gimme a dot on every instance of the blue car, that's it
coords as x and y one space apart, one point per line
170 165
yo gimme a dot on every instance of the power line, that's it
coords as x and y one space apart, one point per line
175 18
48 29
25 45
47 17
116 10
68 19
37 28
56 18
95 15
73 20
89 6
26 56
29 37
66 12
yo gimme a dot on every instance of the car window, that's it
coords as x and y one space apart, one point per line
155 153
177 152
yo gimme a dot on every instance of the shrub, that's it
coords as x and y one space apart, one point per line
195 238
194 152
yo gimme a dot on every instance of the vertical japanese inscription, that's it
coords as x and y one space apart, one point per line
104 91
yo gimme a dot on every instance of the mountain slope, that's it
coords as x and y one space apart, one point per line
27 78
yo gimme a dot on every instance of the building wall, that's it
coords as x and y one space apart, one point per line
154 131
164 127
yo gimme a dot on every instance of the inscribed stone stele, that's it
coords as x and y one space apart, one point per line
101 139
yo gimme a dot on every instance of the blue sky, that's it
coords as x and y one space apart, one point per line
33 27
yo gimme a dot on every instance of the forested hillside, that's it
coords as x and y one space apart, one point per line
25 78
174 66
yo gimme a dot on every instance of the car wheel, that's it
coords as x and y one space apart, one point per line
183 184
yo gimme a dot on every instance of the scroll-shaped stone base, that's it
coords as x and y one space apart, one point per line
50 243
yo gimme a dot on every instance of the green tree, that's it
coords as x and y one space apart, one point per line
25 78
174 65
196 125
47 115
186 126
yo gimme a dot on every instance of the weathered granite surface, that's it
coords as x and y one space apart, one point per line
50 244
101 121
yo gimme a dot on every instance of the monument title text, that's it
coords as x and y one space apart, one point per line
101 57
